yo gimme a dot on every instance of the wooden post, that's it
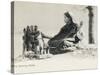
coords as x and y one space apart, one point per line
91 39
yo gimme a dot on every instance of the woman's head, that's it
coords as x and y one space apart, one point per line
67 17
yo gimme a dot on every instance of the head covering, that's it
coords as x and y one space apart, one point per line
68 15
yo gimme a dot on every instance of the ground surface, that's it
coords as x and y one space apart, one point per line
78 59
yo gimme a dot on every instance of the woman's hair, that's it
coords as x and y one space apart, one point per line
69 16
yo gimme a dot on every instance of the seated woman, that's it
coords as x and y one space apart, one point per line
68 31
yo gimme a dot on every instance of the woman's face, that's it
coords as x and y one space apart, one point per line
66 19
